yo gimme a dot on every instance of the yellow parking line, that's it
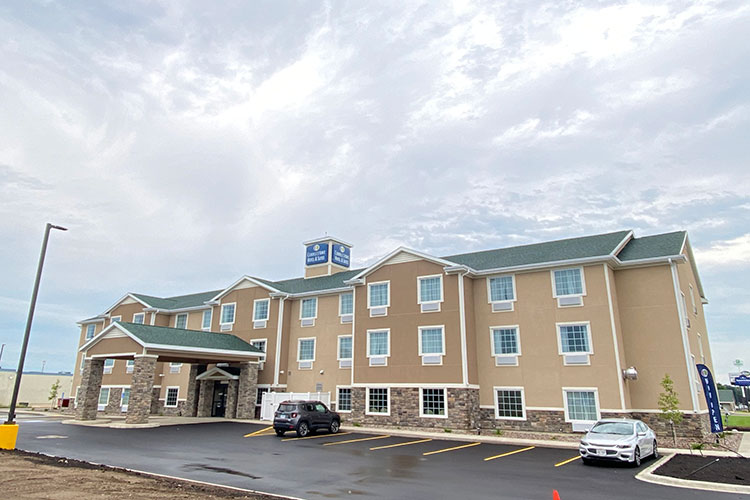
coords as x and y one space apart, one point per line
400 444
451 449
509 453
567 461
318 436
258 432
355 440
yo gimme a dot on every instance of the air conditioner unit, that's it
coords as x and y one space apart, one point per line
430 307
502 306
432 359
308 322
260 323
575 300
305 365
506 361
582 426
379 361
576 359
345 363
347 318
378 311
226 328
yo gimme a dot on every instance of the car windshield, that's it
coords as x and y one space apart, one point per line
622 428
287 407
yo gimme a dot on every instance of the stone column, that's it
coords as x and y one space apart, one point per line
141 389
247 391
191 403
206 398
115 398
234 385
91 384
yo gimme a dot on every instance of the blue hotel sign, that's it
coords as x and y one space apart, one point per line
712 398
340 255
742 380
316 254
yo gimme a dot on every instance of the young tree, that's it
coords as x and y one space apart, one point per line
53 392
669 404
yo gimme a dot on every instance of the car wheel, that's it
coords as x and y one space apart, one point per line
586 461
279 432
656 451
637 457
334 428
303 429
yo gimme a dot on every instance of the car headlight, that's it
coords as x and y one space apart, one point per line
624 445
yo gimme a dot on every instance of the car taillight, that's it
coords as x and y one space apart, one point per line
294 415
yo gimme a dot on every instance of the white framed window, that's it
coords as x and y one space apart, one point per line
344 399
180 321
432 403
346 307
378 401
206 321
306 353
692 300
226 320
344 351
170 401
125 399
129 366
103 398
308 311
581 406
430 292
568 286
700 349
378 347
90 329
510 403
574 342
261 312
501 292
115 319
109 365
139 318
259 395
260 344
379 298
431 342
83 361
175 367
505 344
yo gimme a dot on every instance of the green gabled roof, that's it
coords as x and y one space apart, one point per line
659 245
320 283
551 251
178 302
178 337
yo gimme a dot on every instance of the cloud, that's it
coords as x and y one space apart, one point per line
730 253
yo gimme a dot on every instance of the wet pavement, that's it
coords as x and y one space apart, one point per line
346 464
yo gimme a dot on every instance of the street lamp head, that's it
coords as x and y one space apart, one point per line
58 227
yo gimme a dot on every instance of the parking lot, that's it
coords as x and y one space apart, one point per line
345 464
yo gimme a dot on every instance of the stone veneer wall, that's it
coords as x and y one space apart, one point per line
461 405
692 426
91 382
155 403
174 411
247 390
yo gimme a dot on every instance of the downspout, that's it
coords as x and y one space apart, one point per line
614 336
279 330
462 327
683 330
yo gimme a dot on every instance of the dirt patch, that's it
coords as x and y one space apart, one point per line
33 476
713 469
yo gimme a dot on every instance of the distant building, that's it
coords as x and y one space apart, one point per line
35 387
547 337
726 399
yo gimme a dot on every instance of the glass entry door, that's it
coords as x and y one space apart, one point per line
219 407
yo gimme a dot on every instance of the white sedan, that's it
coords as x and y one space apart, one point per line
621 440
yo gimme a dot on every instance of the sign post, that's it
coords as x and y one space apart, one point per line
712 398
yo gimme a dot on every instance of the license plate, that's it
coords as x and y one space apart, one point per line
282 415
601 452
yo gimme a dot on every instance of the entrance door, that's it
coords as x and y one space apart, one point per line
219 407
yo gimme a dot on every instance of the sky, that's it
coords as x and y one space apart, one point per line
185 144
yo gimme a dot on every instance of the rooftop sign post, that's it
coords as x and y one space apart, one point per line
9 431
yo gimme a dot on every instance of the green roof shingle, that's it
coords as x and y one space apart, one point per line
658 245
179 301
179 337
302 285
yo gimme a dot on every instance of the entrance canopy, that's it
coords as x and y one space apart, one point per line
126 340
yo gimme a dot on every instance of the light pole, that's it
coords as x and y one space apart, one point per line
22 359
2 348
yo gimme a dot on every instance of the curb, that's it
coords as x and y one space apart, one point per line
648 476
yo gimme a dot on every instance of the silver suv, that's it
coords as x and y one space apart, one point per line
305 417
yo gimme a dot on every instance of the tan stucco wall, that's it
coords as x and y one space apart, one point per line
127 311
35 388
540 369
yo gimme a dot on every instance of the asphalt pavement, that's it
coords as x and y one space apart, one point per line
347 464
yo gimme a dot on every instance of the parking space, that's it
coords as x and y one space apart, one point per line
348 463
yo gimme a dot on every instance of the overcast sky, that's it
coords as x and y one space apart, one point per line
187 145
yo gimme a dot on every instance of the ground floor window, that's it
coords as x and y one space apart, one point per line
433 402
103 397
259 395
377 401
344 399
509 403
171 399
581 405
125 397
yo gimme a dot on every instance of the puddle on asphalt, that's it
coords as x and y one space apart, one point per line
223 470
